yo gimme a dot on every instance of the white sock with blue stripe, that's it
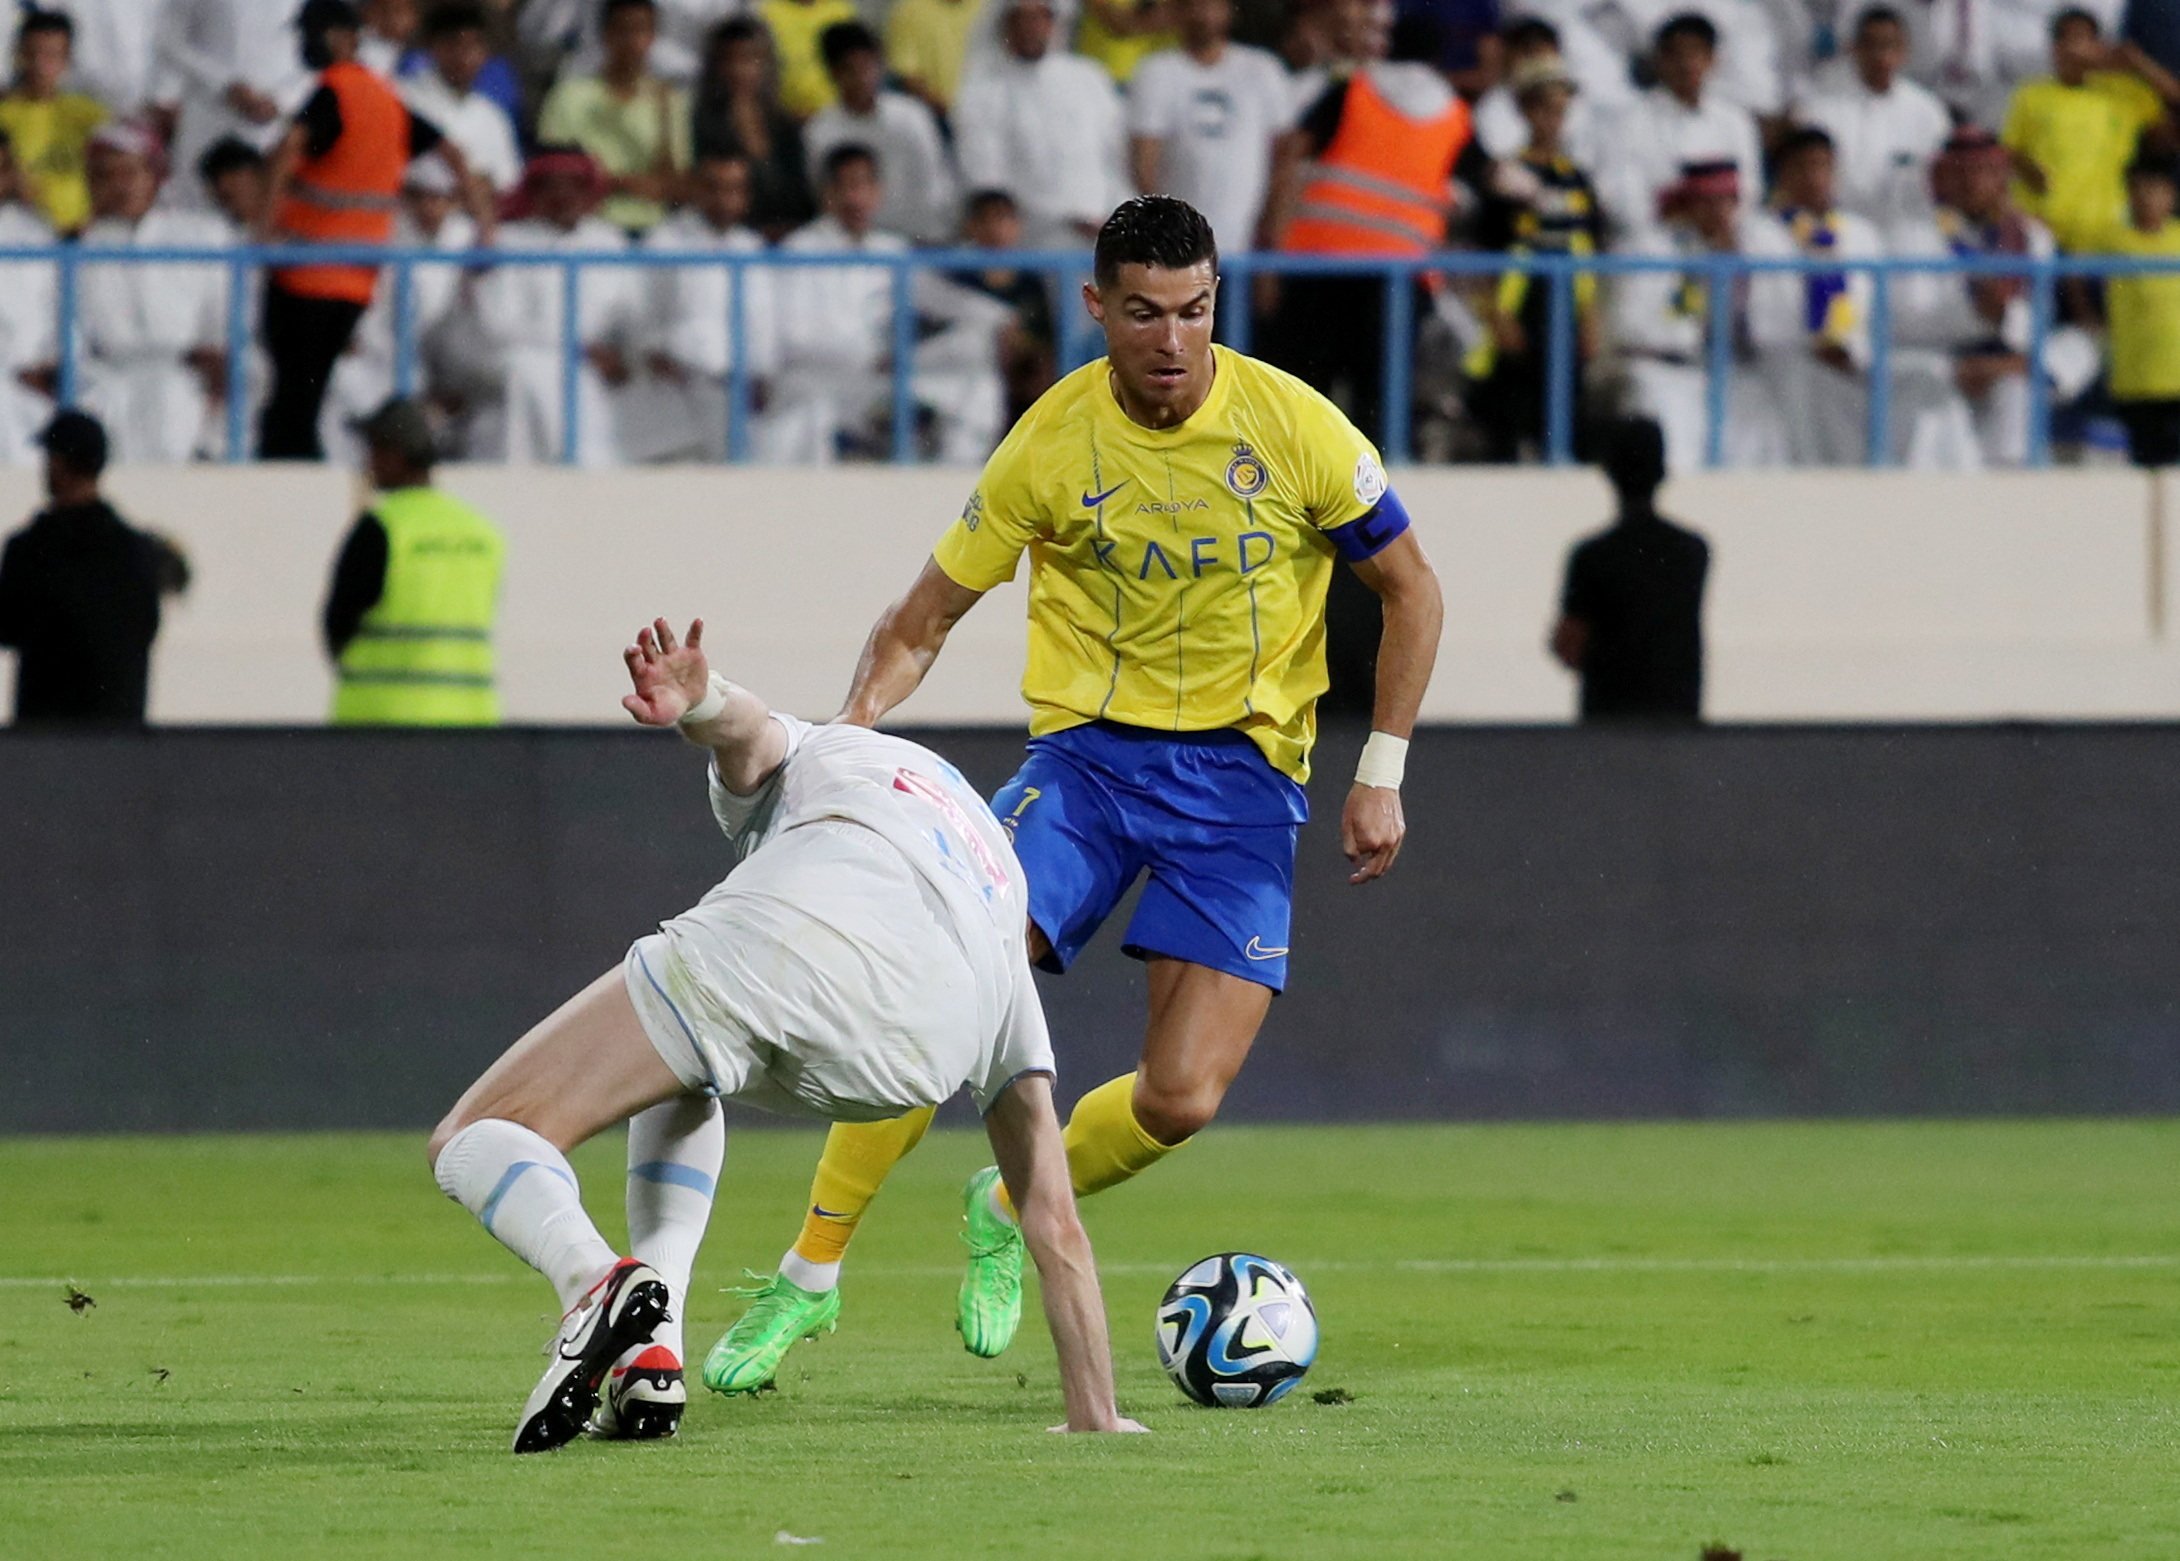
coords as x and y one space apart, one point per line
523 1191
674 1153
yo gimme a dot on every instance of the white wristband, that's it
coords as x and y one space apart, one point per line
714 701
1384 760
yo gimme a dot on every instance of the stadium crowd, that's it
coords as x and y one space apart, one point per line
1668 128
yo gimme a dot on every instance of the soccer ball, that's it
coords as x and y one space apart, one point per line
1236 1331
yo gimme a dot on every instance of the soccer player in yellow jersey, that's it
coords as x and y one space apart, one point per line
1183 508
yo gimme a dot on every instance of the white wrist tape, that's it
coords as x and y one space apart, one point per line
714 701
1384 760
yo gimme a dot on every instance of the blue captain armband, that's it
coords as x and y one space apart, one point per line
1370 534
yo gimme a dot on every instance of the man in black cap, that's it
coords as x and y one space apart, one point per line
79 592
408 621
1631 615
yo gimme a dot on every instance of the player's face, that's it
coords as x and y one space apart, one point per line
1158 334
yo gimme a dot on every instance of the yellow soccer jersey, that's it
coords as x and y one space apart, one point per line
1177 576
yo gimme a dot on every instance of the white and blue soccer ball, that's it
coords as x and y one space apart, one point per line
1236 1331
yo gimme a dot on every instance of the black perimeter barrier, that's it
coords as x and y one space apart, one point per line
208 930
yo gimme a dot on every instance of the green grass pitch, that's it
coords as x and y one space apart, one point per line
1802 1341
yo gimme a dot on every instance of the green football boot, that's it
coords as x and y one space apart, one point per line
780 1314
990 1305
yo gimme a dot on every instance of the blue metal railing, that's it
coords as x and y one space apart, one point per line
1078 343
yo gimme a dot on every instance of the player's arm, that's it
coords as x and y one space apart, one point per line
1025 1135
904 643
1372 825
675 687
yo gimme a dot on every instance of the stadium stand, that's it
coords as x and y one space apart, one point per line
1954 313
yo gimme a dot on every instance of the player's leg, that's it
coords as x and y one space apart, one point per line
802 1300
500 1153
675 1150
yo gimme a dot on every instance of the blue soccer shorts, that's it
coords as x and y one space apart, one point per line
1203 814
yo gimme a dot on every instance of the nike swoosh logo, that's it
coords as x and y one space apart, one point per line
1093 500
824 1213
1256 950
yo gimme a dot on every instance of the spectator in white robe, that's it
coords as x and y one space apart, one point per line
1747 69
225 68
152 339
519 314
1203 119
922 194
364 377
1811 331
1960 398
27 320
832 394
1680 121
457 37
689 340
1045 126
1886 128
1661 321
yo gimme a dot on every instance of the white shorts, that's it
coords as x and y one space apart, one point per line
825 977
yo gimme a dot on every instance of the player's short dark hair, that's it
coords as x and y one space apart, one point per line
1154 230
1876 16
608 9
734 30
1802 138
988 199
1688 24
848 152
2069 15
227 155
843 41
47 22
1526 30
455 16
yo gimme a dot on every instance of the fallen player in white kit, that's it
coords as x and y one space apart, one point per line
866 956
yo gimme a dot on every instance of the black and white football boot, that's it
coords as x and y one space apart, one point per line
621 1313
643 1397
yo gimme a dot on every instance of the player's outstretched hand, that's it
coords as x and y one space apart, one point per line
1371 829
1120 1423
670 677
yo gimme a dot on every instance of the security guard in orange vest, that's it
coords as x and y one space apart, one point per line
408 621
1368 172
336 179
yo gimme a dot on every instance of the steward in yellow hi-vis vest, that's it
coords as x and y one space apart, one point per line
409 618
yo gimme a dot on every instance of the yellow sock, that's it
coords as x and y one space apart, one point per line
1105 1143
858 1155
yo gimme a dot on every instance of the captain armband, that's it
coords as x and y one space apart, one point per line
1373 532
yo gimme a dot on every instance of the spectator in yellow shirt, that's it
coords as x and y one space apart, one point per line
2072 133
50 129
1121 34
631 122
2142 314
796 26
927 43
